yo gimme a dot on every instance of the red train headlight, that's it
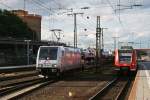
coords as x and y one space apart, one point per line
132 64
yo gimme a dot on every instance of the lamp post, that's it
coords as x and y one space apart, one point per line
28 55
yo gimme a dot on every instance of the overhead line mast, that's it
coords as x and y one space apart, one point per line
102 32
115 41
98 42
75 28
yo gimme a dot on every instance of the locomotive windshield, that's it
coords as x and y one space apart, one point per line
48 53
125 56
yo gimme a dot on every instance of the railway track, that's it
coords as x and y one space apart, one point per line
74 86
16 83
79 86
10 88
114 90
18 90
17 75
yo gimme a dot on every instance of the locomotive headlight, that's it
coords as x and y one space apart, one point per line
54 65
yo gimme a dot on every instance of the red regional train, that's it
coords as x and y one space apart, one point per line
126 59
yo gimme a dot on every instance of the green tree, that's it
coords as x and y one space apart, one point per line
12 26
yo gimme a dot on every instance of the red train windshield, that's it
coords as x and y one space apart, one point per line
125 56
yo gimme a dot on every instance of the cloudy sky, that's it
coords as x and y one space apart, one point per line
130 23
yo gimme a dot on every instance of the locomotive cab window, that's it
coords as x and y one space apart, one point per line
125 58
125 55
48 53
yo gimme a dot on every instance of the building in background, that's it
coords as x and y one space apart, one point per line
33 21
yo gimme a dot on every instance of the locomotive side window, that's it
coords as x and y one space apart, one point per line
48 53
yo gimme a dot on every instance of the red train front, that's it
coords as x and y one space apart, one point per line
126 59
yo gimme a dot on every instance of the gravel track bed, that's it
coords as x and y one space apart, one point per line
77 86
113 92
9 76
59 92
11 82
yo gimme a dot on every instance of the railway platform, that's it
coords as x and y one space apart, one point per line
141 85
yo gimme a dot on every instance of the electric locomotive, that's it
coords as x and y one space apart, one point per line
53 60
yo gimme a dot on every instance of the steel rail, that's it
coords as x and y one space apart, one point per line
6 69
103 89
122 90
18 75
15 67
26 90
6 90
108 87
